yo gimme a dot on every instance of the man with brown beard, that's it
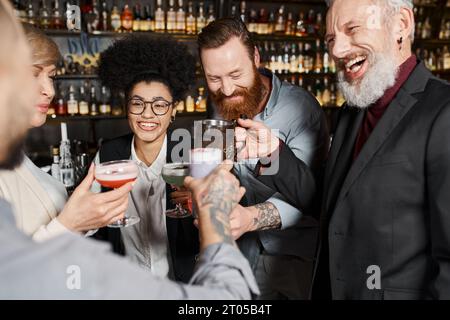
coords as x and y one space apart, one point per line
278 239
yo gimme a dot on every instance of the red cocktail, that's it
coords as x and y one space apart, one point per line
114 174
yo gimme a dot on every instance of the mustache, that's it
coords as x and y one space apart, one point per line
220 96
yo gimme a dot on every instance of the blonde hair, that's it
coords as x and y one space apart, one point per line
44 50
10 31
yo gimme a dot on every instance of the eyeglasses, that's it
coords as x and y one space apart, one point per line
159 106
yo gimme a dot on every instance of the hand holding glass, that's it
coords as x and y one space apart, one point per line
114 174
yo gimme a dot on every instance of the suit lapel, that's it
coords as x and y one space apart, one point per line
396 111
341 152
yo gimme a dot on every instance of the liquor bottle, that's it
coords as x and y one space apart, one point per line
293 68
72 103
57 21
95 24
326 62
333 102
180 106
19 11
181 18
105 107
252 21
290 29
318 63
66 166
160 22
104 24
115 19
55 170
190 104
201 19
83 106
137 18
126 19
271 23
60 107
446 58
44 16
243 13
211 16
31 17
301 28
200 103
319 26
280 25
263 22
233 13
93 104
426 31
310 25
146 20
286 59
326 95
301 58
308 59
116 99
318 89
190 20
171 17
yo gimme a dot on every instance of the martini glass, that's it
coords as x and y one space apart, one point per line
174 174
114 174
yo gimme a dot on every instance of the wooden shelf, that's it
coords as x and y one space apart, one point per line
112 34
77 77
83 118
109 117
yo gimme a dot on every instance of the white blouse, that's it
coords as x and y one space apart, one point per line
146 242
37 198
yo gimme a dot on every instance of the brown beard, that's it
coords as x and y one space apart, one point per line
249 106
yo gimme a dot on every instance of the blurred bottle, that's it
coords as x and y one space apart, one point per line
55 170
181 18
171 17
126 19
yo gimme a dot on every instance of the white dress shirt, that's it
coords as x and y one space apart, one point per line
146 242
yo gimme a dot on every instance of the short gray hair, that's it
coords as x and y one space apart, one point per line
394 7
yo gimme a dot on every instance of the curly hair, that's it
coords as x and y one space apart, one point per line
146 58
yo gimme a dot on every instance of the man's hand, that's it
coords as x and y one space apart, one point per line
242 221
254 140
86 210
215 196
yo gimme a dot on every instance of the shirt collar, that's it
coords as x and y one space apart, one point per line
272 102
156 167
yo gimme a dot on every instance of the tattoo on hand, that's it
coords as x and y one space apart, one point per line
221 198
268 217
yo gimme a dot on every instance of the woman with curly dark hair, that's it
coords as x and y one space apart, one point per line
154 73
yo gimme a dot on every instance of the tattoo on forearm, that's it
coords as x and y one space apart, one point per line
268 217
221 198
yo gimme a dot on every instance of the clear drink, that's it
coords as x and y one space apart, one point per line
174 174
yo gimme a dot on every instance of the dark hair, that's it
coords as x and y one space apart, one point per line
146 58
220 31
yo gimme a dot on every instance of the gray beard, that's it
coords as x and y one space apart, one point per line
379 77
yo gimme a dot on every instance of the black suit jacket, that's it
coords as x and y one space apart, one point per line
390 208
182 234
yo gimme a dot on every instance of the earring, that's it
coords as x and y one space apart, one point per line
400 41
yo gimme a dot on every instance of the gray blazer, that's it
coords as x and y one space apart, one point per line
71 267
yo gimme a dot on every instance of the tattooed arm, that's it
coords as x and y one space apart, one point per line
262 216
214 199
